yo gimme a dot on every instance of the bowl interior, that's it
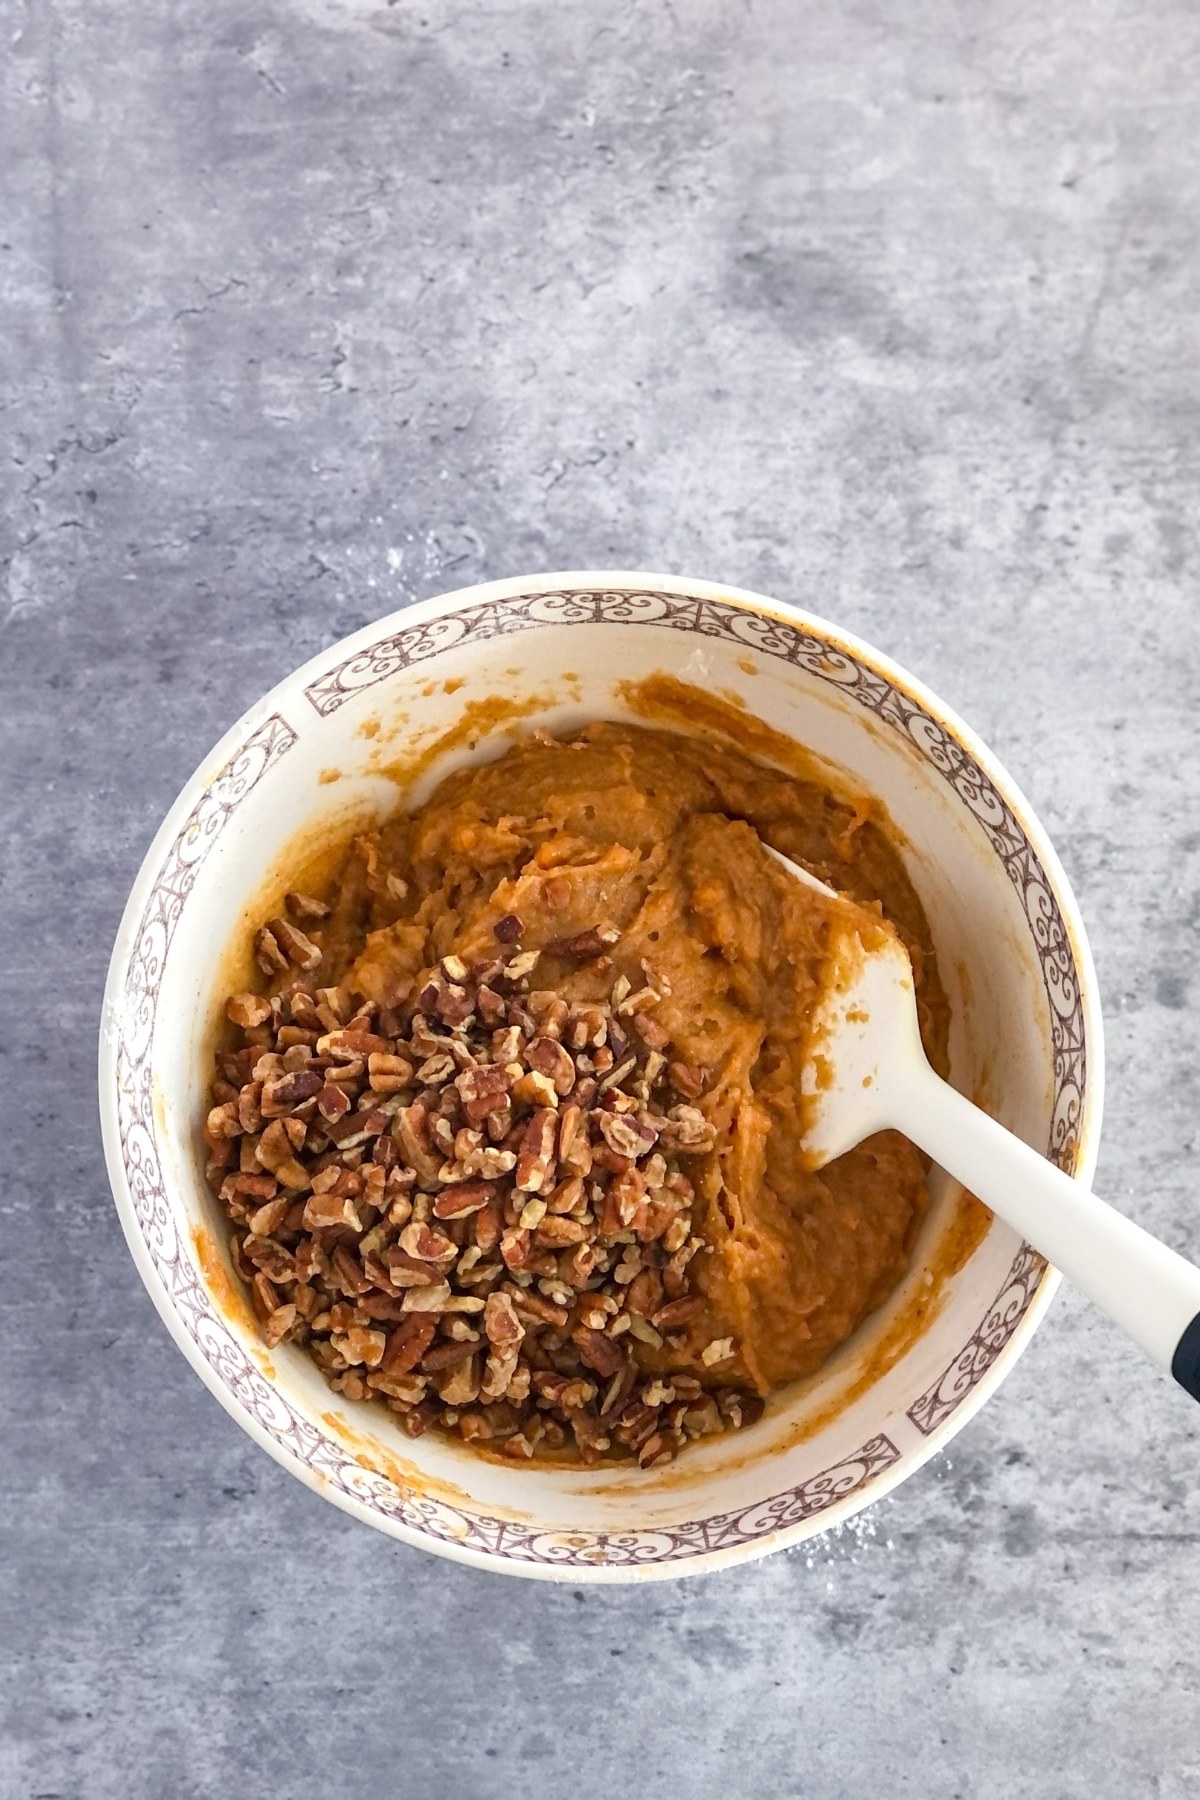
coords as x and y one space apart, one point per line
384 717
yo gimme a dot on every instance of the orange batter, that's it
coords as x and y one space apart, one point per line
659 834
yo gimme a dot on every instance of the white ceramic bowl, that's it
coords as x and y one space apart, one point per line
1011 949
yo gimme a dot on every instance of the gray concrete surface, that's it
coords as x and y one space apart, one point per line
312 307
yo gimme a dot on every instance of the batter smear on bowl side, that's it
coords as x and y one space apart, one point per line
510 1138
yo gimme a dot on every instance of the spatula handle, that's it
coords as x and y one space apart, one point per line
1150 1291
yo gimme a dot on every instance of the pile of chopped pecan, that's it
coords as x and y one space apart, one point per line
476 1207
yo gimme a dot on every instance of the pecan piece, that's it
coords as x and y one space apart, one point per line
604 1158
678 1312
546 1056
635 1423
323 1210
567 1196
514 1247
263 1296
249 1106
535 1158
653 1034
687 1129
410 1130
626 1134
223 1121
432 1299
407 1344
462 1199
267 953
657 1449
360 1344
247 1010
276 1152
426 1245
518 1447
498 1373
304 1011
489 1163
417 1420
250 1187
288 1091
533 1089
571 1129
536 1306
436 1069
619 1389
551 1013
488 1226
584 945
304 906
504 1329
297 948
345 1045
588 1028
490 1005
446 1356
558 1231
740 1409
598 1351
271 1258
277 1325
333 1103
357 1128
578 1265
484 1090
217 1162
270 1217
349 1271
622 1198
589 1433
563 1390
387 1073
460 1386
644 1294
659 1216
686 1080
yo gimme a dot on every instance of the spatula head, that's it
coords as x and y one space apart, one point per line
864 1032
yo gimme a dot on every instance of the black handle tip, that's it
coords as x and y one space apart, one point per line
1185 1364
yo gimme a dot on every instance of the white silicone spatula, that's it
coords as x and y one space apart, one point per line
869 1071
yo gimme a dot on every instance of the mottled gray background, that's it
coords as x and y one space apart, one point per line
312 307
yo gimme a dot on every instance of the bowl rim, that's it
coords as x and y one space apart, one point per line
617 584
